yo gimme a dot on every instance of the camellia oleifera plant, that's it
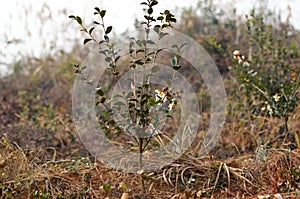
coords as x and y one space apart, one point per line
144 106
269 77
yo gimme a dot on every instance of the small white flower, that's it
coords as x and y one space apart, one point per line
157 95
236 53
250 71
170 107
238 56
160 96
254 74
276 97
268 108
172 104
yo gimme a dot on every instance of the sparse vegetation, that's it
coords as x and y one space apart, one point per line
257 156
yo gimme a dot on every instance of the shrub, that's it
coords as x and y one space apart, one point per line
269 77
148 106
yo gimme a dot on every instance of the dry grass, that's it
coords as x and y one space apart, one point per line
248 176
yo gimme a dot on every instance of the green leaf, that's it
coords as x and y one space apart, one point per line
101 101
146 96
96 22
161 35
86 41
131 105
164 26
174 61
167 12
108 59
108 30
159 50
117 96
154 2
175 46
140 43
150 11
119 103
112 122
84 30
117 58
144 101
176 67
115 72
91 30
139 62
160 18
97 9
106 38
155 69
102 13
140 51
147 17
184 44
100 92
129 94
102 51
133 100
72 17
152 102
131 44
123 186
147 86
157 29
172 20
150 54
79 20
150 42
106 187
